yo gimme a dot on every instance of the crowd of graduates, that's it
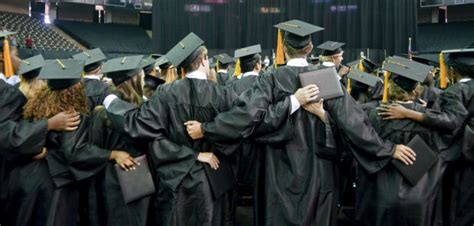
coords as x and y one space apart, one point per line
174 140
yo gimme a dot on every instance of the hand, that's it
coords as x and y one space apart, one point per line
423 103
64 121
344 71
404 154
194 129
209 158
316 109
393 111
124 160
42 155
307 94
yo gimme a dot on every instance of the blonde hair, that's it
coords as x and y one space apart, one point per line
29 87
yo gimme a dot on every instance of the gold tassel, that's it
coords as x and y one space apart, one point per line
237 70
442 72
349 86
153 72
217 66
385 88
183 73
361 65
280 54
7 60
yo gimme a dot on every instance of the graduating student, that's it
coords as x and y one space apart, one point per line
106 203
151 81
96 89
22 142
386 197
222 66
361 85
454 119
168 71
250 62
184 195
46 191
332 53
298 187
29 71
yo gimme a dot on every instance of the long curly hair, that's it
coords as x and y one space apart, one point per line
47 103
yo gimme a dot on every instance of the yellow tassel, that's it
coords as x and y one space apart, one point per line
237 70
217 66
349 85
153 72
385 88
22 79
442 72
7 60
361 65
183 73
280 55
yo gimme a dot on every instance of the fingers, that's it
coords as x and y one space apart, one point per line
71 128
190 123
409 153
214 162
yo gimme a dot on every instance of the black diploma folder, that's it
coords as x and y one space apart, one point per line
425 159
328 81
222 179
138 183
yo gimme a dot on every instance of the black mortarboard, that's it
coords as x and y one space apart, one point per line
148 63
363 77
153 82
62 74
93 58
247 51
156 55
184 49
461 59
297 32
331 48
30 68
406 73
429 59
123 68
224 58
4 34
368 65
163 62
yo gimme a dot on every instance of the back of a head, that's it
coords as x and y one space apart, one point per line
249 63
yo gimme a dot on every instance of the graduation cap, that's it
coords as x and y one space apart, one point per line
163 62
62 74
223 58
148 64
123 68
93 59
184 49
331 48
297 35
156 55
30 68
297 32
462 60
153 82
4 34
244 55
407 74
363 77
367 65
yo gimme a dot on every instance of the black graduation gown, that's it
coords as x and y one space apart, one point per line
96 91
106 205
385 197
46 192
184 195
298 183
431 96
456 119
222 78
20 139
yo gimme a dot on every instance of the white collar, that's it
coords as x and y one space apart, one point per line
465 80
297 62
222 71
96 77
250 73
197 75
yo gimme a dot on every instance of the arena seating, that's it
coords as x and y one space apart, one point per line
44 38
111 38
